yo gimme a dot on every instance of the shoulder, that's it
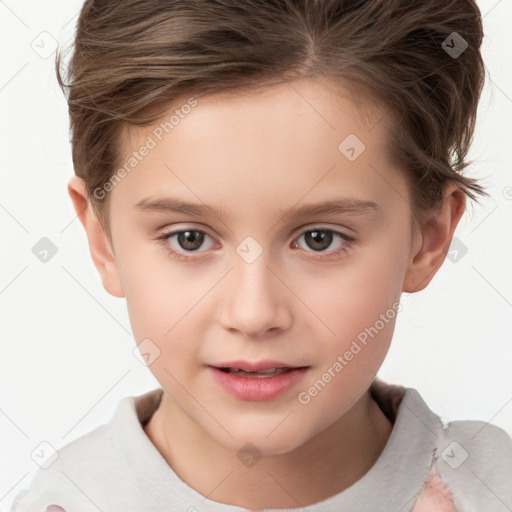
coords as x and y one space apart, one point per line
96 470
475 460
66 480
471 470
482 444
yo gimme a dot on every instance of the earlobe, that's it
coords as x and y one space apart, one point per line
430 247
99 245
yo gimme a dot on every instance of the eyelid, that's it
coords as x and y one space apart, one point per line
187 226
342 230
300 230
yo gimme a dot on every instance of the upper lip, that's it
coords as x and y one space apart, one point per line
255 366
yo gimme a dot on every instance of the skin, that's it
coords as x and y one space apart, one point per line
253 154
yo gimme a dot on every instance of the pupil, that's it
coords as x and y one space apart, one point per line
319 239
188 240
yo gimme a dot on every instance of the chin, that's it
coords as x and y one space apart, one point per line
278 442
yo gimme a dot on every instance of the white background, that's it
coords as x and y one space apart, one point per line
66 345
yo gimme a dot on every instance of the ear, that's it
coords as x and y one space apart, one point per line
431 246
99 245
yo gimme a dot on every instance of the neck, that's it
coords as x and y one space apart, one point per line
321 467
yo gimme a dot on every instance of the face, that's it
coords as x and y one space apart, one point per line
262 270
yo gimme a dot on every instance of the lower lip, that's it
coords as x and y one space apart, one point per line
258 389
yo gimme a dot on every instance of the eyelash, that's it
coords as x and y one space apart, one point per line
348 241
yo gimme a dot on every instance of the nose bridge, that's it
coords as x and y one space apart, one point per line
252 279
254 301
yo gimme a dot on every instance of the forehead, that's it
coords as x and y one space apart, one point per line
331 103
285 137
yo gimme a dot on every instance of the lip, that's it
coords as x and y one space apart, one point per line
255 366
257 389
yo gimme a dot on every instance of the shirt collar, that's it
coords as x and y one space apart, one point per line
394 482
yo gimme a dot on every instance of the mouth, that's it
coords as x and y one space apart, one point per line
257 369
260 381
261 374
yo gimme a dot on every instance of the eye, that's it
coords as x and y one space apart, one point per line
188 240
320 239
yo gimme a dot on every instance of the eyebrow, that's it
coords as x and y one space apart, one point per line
342 205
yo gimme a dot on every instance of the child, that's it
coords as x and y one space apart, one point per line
218 146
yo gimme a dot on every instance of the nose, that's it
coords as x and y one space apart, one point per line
256 302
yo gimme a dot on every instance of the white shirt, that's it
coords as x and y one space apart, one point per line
465 466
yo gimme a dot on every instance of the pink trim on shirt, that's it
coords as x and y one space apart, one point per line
435 497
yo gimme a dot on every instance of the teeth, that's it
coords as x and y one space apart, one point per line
269 372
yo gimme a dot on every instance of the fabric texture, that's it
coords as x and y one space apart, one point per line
426 466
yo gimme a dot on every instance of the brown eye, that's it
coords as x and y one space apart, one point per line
190 240
318 240
182 244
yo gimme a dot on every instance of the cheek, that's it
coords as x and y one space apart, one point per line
358 310
163 304
159 292
350 359
352 298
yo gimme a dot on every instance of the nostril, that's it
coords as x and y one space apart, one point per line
54 508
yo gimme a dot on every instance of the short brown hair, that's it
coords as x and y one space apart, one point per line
133 57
